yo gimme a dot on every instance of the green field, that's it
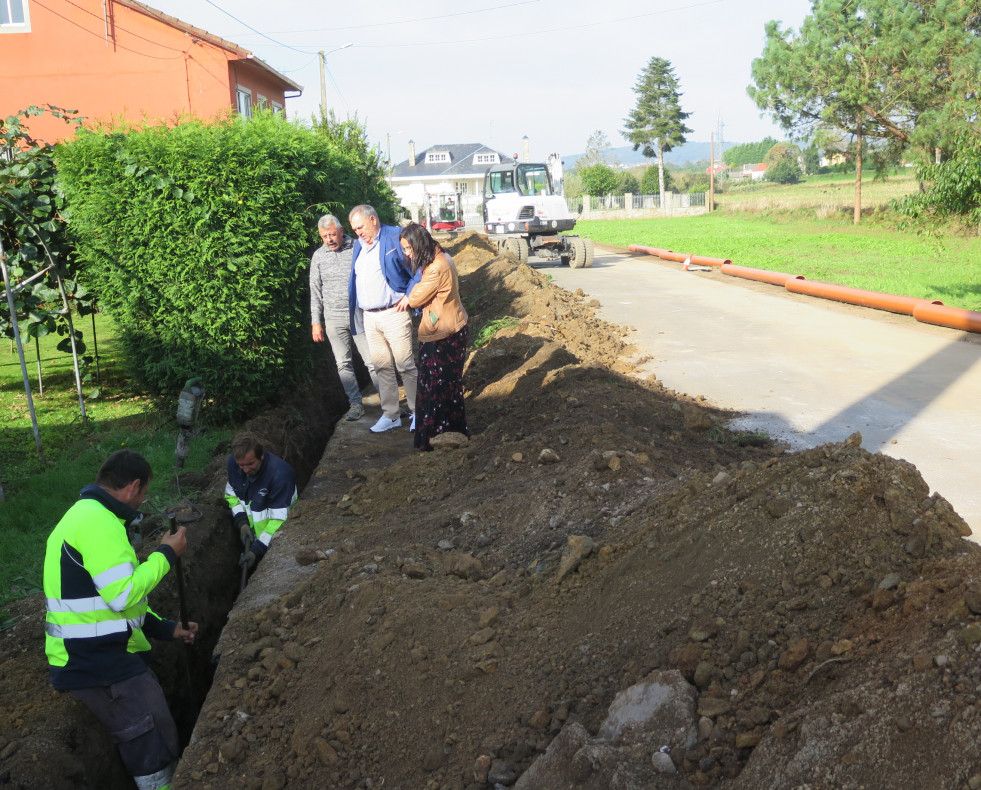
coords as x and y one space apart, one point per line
873 257
822 196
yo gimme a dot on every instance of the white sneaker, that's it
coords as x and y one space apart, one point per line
412 422
386 424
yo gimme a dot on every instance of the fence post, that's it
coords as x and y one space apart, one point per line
585 207
628 205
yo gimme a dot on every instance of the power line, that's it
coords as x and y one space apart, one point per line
116 26
404 21
338 89
102 37
257 32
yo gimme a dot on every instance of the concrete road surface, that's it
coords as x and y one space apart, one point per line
804 370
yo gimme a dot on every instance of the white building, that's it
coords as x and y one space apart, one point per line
444 173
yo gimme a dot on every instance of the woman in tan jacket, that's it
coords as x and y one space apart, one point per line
442 336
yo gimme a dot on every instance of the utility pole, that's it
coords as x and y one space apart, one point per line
323 77
711 205
323 84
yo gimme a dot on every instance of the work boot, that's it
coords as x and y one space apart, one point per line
356 412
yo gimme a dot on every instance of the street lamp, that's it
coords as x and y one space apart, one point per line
323 76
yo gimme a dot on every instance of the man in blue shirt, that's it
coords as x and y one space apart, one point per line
379 280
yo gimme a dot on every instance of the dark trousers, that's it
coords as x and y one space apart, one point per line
139 722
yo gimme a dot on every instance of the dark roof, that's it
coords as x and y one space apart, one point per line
461 162
196 32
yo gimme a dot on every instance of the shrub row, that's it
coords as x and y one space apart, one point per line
196 239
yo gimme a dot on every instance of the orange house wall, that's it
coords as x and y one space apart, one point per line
148 70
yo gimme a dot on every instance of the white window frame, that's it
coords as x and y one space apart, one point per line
460 187
241 95
16 27
276 106
261 102
437 157
486 159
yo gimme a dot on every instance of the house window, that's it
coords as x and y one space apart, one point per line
261 102
15 16
243 101
485 159
437 156
460 187
276 106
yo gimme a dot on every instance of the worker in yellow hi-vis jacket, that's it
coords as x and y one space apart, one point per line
98 619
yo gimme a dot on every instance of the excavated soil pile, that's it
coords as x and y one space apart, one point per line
462 613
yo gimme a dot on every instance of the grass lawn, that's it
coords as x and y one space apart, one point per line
37 493
869 256
827 196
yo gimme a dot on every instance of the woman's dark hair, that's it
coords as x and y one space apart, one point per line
424 247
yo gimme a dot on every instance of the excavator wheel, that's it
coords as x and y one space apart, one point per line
577 259
589 252
517 248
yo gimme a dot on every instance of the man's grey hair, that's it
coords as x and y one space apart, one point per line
327 220
364 211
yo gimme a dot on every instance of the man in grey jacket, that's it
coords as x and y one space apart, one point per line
330 271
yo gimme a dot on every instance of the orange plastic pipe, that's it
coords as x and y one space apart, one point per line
953 317
762 275
703 261
655 251
680 257
843 293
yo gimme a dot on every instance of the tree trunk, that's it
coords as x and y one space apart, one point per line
660 171
858 173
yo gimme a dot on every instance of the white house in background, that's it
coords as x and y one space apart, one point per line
442 172
456 169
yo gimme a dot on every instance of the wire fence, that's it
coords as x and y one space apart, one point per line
639 202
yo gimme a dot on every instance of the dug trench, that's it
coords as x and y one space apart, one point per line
465 619
52 742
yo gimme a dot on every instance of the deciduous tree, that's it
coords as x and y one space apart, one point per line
657 123
598 179
873 68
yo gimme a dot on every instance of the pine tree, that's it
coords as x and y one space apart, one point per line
657 123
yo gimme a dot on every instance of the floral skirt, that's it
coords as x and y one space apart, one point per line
439 396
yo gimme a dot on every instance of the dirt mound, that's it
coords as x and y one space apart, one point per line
459 610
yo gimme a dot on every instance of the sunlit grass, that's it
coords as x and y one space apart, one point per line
874 257
38 491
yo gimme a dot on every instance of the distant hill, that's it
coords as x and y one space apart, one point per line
689 152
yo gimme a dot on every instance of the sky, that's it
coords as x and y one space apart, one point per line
495 71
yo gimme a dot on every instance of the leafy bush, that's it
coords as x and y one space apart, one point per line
783 172
627 183
691 181
649 184
196 239
30 227
748 153
952 190
598 179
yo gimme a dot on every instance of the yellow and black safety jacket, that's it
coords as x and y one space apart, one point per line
96 591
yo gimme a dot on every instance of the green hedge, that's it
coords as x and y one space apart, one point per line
197 239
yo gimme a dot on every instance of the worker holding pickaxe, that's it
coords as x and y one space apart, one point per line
260 491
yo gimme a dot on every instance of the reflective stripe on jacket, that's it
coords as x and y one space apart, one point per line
266 498
96 591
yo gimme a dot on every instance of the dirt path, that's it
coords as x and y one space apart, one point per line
441 620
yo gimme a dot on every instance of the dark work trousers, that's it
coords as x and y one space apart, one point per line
139 722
